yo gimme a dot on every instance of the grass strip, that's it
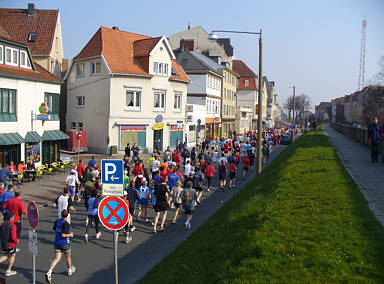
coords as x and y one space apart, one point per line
302 221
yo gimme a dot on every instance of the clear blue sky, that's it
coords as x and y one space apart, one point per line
314 45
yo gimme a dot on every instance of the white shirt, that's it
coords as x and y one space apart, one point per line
62 203
187 169
215 156
155 165
71 180
222 159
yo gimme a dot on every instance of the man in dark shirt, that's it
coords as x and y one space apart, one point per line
4 175
132 197
162 196
375 138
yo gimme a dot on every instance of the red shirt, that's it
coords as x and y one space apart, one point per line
246 162
16 206
80 170
180 176
210 171
237 158
232 167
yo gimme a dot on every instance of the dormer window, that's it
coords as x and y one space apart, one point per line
32 37
24 59
246 83
160 69
11 56
80 69
95 68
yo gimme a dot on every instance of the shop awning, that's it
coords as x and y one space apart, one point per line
10 139
54 135
32 137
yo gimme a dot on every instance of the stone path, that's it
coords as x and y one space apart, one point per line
368 176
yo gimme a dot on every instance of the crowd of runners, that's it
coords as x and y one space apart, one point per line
168 181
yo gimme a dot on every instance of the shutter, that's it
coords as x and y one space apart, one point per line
142 139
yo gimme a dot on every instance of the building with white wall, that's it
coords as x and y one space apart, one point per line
119 84
24 86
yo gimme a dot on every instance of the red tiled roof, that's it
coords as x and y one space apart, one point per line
251 83
3 33
19 25
240 67
39 74
144 47
182 76
124 52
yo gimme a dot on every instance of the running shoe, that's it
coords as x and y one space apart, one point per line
48 277
71 270
10 273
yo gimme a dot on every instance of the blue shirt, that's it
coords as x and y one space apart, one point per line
4 174
91 204
156 180
4 198
172 179
92 163
62 227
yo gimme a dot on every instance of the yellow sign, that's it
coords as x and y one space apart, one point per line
257 109
158 126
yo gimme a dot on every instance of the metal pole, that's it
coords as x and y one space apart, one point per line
260 116
78 149
115 256
294 110
33 264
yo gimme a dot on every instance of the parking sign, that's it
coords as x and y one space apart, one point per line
112 177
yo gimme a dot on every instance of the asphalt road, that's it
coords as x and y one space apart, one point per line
94 261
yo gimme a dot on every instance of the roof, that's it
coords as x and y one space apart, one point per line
19 25
207 61
40 74
144 47
190 61
123 52
241 68
251 83
226 43
4 34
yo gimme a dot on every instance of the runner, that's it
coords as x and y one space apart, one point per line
162 194
71 182
93 203
176 199
222 175
189 197
16 206
198 183
209 172
8 236
63 232
64 202
143 202
245 166
132 196
232 174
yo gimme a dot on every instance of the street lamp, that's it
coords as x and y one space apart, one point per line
212 35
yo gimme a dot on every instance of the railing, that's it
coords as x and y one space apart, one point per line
360 135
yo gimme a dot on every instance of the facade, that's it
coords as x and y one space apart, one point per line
126 88
228 111
40 30
323 111
204 95
338 110
243 120
247 95
24 86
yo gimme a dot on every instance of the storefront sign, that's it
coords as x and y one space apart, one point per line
159 122
127 127
176 127
209 120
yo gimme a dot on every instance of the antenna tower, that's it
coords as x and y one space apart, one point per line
362 56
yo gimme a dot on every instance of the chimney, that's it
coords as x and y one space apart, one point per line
115 28
31 9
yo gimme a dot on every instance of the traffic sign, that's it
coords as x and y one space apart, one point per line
113 212
112 177
33 215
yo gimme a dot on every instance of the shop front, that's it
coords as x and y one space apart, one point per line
51 145
10 148
176 135
130 133
212 127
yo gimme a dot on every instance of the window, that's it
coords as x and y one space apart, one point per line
32 37
11 56
57 44
80 69
73 125
177 103
53 103
23 59
159 102
246 83
1 54
166 69
80 126
161 69
133 100
7 105
95 68
155 67
80 101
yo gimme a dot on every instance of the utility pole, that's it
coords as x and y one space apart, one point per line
260 103
294 110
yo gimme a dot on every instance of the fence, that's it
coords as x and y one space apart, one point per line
358 134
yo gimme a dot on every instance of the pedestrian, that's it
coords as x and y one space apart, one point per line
175 193
189 197
245 166
127 151
16 206
93 216
8 194
187 168
375 138
5 176
92 162
132 197
223 175
143 202
162 195
63 232
232 174
209 172
198 183
64 202
80 171
71 182
9 240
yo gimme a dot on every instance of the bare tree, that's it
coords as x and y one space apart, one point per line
373 104
378 79
302 105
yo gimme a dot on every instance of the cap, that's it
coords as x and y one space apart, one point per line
73 171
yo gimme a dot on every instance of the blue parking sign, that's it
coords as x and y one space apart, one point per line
112 172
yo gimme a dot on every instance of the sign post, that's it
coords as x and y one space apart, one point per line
113 214
112 177
33 220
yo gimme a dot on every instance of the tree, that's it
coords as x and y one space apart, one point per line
302 105
373 104
378 79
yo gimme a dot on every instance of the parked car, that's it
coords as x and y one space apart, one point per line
285 139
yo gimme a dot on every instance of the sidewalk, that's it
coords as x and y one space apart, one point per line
357 161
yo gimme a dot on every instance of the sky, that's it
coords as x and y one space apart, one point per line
313 45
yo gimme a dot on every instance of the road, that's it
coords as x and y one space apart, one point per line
94 261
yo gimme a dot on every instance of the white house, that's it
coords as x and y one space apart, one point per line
119 84
24 86
204 96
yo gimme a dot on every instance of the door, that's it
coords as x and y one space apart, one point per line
158 136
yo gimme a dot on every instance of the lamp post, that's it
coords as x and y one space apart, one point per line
294 110
212 35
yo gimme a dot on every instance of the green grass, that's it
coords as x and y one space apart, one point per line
303 221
